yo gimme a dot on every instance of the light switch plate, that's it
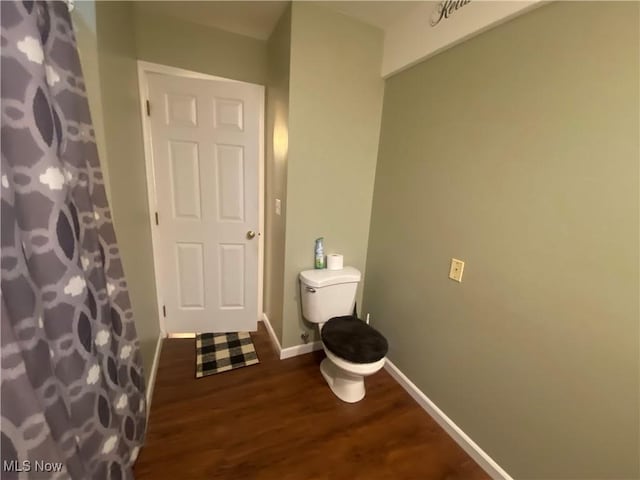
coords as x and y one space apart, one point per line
455 272
278 207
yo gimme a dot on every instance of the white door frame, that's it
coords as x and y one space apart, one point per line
143 69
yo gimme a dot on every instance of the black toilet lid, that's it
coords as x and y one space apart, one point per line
353 340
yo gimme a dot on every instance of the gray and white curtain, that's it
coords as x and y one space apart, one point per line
72 386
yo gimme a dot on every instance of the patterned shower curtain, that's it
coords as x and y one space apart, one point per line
72 386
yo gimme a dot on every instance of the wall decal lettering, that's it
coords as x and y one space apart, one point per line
445 8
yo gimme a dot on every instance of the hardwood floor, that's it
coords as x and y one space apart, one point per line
279 420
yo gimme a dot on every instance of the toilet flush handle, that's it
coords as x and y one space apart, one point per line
311 290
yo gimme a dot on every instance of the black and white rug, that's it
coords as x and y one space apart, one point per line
220 352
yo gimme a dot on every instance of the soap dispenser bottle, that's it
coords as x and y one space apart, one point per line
319 254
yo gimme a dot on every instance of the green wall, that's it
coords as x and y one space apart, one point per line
518 152
178 43
83 17
277 131
335 102
125 159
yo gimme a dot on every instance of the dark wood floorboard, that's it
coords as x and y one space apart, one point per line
279 420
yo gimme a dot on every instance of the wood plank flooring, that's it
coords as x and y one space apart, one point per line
279 420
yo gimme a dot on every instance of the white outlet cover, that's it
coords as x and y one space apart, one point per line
456 269
278 207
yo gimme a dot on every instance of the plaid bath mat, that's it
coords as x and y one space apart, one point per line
219 352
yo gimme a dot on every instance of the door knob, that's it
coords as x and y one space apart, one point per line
251 234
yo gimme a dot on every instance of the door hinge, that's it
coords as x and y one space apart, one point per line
157 221
148 108
164 311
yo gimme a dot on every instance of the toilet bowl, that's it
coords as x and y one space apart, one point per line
346 379
353 349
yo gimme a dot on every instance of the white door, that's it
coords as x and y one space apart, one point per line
205 139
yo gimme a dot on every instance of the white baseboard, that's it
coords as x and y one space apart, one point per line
272 334
289 351
468 445
459 436
154 372
300 350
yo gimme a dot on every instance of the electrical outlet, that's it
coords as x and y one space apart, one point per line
455 272
278 207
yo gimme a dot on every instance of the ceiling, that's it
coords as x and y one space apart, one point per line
251 18
377 13
257 19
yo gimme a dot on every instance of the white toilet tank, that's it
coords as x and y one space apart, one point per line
328 293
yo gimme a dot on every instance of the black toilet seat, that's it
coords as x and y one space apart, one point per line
353 340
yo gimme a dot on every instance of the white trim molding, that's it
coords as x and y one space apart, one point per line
143 93
300 349
181 72
272 334
289 351
459 436
454 431
154 373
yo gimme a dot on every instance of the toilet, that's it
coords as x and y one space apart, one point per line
354 350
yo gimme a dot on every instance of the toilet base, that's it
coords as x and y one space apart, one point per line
346 386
